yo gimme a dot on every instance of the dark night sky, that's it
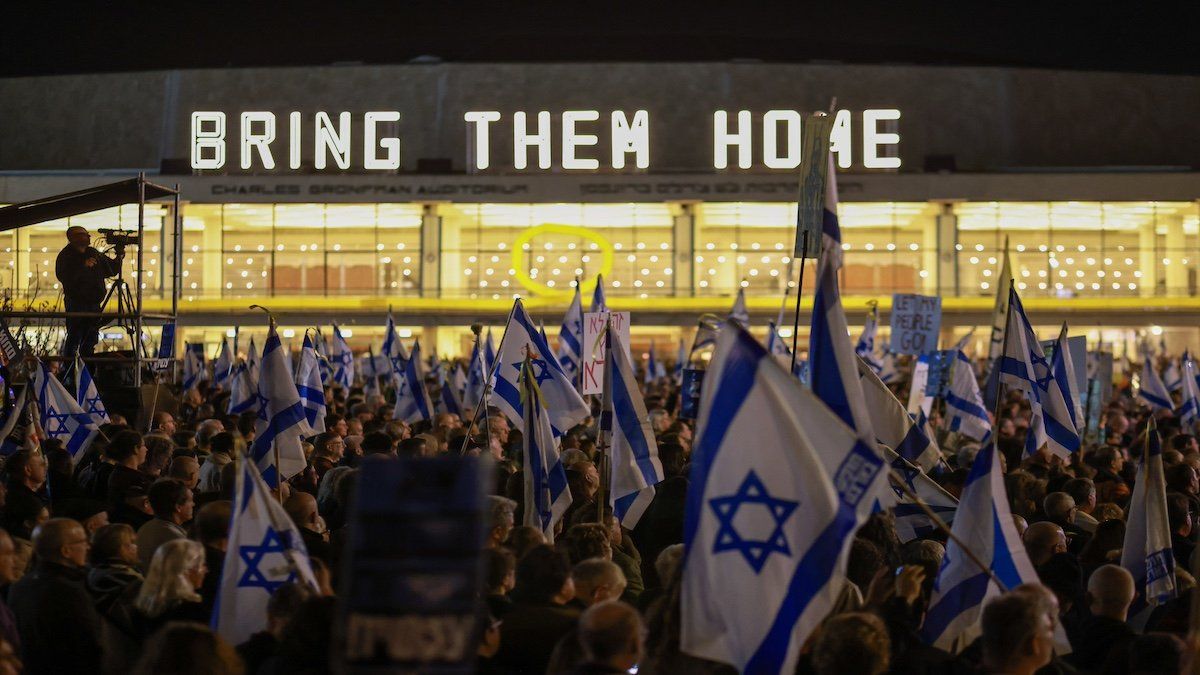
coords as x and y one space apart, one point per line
1131 36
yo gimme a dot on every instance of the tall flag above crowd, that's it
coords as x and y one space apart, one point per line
86 394
547 495
342 360
61 417
1147 551
413 403
625 430
309 387
570 337
282 421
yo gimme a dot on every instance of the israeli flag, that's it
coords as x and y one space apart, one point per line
1172 378
1189 409
489 351
1152 390
341 359
633 450
833 368
1063 367
739 314
865 347
776 346
370 374
412 399
707 330
599 304
323 362
86 394
1147 552
965 413
831 230
681 360
1024 367
394 350
778 484
546 493
252 367
911 520
565 406
651 365
223 365
243 394
193 366
448 400
309 387
1000 317
60 416
892 424
458 380
570 337
17 431
887 366
984 524
264 552
282 422
477 378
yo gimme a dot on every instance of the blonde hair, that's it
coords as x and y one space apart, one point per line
166 583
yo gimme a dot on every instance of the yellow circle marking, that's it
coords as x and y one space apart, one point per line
519 256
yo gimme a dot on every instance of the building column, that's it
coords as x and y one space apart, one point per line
1175 254
1147 260
941 256
431 248
683 225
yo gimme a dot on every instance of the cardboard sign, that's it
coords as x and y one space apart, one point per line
413 567
915 322
814 174
593 346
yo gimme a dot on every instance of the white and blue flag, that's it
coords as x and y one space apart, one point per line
1063 367
887 366
681 361
865 347
193 366
965 413
489 350
547 495
1151 389
776 346
264 551
60 416
309 387
243 393
652 366
599 303
282 422
911 520
412 398
322 348
738 313
1172 377
1147 551
1189 406
625 425
984 524
394 350
477 379
1000 317
570 337
252 365
777 485
341 359
893 426
223 365
86 394
448 399
563 403
1024 366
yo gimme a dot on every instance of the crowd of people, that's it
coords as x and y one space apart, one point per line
112 564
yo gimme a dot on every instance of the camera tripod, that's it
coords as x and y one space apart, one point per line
125 305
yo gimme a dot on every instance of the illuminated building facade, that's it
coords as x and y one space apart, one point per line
444 190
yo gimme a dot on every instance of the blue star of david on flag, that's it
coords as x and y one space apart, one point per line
908 472
56 422
541 369
751 491
252 556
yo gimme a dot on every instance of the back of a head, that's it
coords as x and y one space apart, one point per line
586 540
593 573
1111 589
1080 489
541 574
667 562
212 521
1009 623
206 431
1057 506
107 542
608 630
500 511
187 647
287 599
300 508
166 583
222 443
165 494
377 443
855 642
183 468
53 534
1040 540
124 445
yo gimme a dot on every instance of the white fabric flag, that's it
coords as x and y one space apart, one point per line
282 422
633 450
1147 551
547 495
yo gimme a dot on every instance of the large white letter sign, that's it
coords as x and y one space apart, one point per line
391 144
627 137
294 140
208 133
794 122
260 141
722 139
840 139
572 139
327 140
482 118
872 139
522 139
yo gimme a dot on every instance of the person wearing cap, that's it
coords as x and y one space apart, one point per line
81 269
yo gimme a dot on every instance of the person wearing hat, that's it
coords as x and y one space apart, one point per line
81 269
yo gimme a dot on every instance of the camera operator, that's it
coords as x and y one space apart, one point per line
81 270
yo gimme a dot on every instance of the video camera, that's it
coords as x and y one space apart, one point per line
120 238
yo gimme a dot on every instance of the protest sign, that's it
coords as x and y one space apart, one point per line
593 346
915 322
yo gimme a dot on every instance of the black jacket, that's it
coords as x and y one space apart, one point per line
83 285
59 626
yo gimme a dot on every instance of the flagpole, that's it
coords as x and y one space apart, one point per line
274 445
941 525
487 385
601 438
999 382
799 294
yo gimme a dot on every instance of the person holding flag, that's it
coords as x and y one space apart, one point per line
625 430
766 532
309 387
282 421
265 550
547 496
86 394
